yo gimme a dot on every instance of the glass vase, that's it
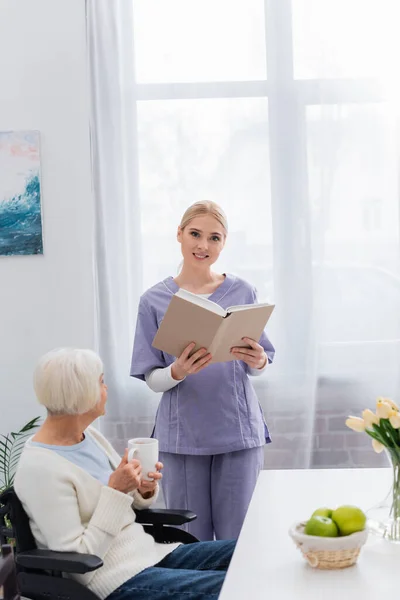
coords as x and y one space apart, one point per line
384 518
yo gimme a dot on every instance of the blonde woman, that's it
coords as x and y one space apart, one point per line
209 423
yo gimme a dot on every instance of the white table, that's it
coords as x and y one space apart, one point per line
266 563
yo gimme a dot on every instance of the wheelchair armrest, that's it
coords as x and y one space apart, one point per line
163 516
69 562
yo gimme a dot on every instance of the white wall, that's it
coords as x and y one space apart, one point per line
46 301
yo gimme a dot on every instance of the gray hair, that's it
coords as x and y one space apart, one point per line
67 381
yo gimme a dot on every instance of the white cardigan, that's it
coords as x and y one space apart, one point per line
70 511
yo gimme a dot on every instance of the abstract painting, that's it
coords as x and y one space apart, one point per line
20 193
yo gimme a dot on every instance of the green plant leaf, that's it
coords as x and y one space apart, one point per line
377 437
3 449
7 442
389 432
30 425
11 446
378 434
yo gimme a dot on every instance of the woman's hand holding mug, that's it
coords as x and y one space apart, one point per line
126 476
145 450
147 488
139 468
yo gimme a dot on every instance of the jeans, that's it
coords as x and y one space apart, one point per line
191 572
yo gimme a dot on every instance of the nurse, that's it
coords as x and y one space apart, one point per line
209 423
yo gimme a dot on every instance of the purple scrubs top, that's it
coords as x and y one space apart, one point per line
214 411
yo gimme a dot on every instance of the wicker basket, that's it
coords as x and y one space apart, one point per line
326 552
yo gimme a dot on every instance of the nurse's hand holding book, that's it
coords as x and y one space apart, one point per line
255 356
188 365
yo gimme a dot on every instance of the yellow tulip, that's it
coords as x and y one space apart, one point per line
395 421
384 409
388 401
377 446
356 424
370 418
392 403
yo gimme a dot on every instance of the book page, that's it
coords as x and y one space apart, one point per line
203 302
232 309
186 322
236 326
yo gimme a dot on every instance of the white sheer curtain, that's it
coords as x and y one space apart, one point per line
131 408
286 113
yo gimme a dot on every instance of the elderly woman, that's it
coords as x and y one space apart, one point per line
79 495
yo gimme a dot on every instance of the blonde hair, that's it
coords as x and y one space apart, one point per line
67 381
201 208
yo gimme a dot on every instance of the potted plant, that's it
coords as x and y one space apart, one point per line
11 446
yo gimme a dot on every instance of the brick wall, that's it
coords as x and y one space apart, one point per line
296 442
325 443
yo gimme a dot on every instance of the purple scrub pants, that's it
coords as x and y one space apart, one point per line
217 488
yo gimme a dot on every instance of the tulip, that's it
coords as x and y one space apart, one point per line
377 446
356 424
370 418
388 401
384 409
395 421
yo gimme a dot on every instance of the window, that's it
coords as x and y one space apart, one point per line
285 113
181 41
205 148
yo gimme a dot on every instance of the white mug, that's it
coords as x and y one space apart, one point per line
145 450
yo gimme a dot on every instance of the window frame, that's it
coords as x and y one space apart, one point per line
288 99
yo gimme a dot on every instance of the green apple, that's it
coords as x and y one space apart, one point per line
321 526
322 512
349 519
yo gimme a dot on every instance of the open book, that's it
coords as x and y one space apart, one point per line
191 318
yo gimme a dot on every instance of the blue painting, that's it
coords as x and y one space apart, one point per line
20 193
